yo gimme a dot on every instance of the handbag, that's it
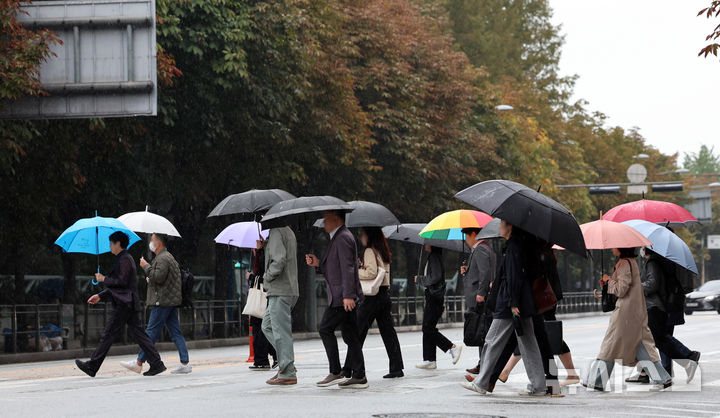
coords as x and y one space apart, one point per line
256 301
608 299
372 287
544 295
477 324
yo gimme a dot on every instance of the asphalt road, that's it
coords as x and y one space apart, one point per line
222 385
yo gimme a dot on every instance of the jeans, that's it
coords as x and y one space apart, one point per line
432 337
277 327
166 316
333 318
601 370
379 308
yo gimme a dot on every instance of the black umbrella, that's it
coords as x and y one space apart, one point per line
366 214
409 233
250 203
527 209
300 210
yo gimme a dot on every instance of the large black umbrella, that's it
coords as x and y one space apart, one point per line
300 210
527 209
250 203
366 214
409 233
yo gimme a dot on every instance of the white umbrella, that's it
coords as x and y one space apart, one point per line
147 222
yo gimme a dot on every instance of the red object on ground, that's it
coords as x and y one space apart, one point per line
654 211
251 358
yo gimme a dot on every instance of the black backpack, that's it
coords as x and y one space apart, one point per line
187 281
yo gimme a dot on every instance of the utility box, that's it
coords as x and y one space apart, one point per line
105 66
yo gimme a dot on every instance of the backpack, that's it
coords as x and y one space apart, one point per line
187 282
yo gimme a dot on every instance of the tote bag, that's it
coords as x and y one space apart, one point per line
372 287
256 301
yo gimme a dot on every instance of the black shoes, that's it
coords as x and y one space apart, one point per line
155 369
82 365
354 383
257 368
394 375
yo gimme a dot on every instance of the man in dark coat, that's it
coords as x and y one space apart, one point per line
121 288
340 268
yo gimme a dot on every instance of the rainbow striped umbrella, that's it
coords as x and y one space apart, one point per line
448 225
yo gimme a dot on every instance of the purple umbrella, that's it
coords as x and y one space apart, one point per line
242 235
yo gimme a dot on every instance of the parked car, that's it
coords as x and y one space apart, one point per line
705 298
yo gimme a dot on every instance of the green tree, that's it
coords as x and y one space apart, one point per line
702 162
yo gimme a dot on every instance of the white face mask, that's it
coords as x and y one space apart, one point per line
152 246
642 251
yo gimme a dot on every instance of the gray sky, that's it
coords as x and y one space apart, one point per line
637 63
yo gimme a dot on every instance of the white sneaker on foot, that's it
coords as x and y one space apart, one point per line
132 366
182 369
455 353
428 365
473 387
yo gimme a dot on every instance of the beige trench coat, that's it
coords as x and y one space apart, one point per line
628 326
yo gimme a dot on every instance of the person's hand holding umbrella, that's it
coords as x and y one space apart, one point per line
99 278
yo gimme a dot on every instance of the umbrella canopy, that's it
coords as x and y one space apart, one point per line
665 243
92 235
148 223
250 203
242 235
300 209
411 233
366 214
654 211
527 209
602 235
491 230
449 224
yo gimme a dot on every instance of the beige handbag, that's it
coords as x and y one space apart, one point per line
256 301
372 287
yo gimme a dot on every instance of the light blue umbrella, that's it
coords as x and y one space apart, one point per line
665 243
92 236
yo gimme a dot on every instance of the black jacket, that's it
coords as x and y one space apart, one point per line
121 285
434 280
515 289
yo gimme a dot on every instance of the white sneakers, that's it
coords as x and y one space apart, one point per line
132 366
473 387
182 369
428 365
455 353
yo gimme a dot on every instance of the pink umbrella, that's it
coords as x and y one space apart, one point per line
602 235
654 211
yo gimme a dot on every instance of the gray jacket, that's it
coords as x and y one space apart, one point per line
480 273
281 273
654 284
165 284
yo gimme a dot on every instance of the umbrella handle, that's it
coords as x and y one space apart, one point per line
95 282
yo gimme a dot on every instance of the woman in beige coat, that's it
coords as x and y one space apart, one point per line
628 338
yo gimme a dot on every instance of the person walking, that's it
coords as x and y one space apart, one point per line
628 337
658 272
164 295
121 288
340 268
261 345
433 280
514 310
281 284
378 307
478 275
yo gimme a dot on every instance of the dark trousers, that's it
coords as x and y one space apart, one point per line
548 359
379 308
434 307
121 315
664 341
261 346
333 318
664 359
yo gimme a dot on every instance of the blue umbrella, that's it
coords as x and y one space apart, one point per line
665 243
92 236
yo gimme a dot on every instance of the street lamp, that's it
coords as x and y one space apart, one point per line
504 107
641 156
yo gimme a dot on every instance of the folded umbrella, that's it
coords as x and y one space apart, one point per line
366 214
449 224
666 244
527 209
300 210
654 211
250 203
148 223
242 235
410 232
